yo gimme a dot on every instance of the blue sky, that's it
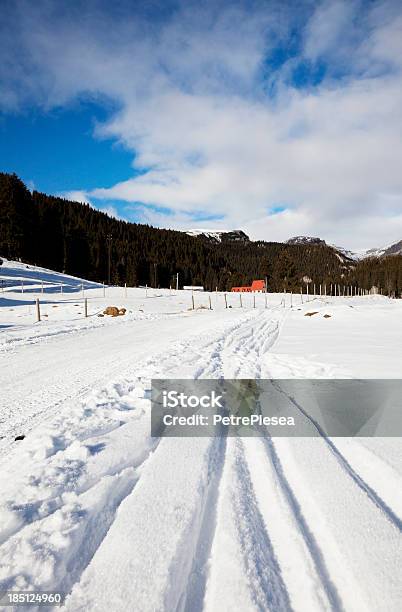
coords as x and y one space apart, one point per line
55 151
278 118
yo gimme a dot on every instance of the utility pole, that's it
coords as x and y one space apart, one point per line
109 239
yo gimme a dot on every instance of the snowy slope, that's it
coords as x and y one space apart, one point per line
92 505
21 276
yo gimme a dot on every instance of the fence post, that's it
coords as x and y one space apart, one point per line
291 299
241 303
82 289
104 289
86 307
226 301
37 310
41 286
125 290
146 290
22 286
301 295
192 298
254 299
265 299
210 303
307 292
61 288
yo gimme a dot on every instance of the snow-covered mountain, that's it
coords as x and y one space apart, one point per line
393 249
220 235
305 240
343 254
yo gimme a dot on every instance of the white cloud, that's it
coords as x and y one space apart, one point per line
194 111
76 195
111 211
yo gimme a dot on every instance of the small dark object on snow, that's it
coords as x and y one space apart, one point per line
112 311
17 438
310 314
100 315
326 316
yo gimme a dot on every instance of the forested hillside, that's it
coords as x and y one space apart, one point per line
75 238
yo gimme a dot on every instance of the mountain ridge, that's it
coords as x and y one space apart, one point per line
237 235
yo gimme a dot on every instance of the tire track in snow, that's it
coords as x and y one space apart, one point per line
264 574
241 341
267 587
346 466
191 599
311 542
197 557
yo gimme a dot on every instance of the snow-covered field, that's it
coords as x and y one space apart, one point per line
92 506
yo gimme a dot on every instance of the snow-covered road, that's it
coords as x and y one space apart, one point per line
91 505
41 376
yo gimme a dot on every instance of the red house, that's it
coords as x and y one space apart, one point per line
256 285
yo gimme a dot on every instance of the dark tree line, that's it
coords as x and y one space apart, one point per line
75 238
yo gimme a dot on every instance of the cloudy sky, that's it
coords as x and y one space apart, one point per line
278 118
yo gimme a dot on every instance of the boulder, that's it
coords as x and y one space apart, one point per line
112 311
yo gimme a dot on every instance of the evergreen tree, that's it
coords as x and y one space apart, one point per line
285 275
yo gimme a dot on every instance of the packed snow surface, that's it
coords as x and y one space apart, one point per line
93 506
